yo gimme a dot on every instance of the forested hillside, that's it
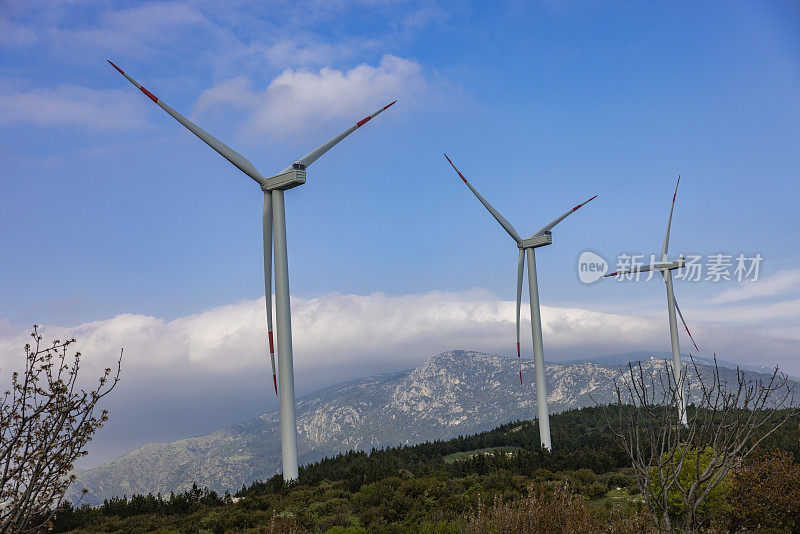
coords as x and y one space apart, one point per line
452 393
459 485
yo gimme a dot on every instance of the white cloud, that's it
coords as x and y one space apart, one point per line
353 330
198 373
15 35
753 313
134 30
72 29
230 44
292 52
71 105
420 19
234 35
295 97
306 51
780 283
272 52
152 19
234 92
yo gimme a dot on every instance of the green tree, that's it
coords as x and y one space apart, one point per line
680 471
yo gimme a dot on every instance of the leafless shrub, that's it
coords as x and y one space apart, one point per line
282 525
725 425
46 421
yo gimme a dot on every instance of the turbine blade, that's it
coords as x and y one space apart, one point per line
642 269
503 222
684 325
520 274
267 235
274 376
315 154
669 222
554 222
224 150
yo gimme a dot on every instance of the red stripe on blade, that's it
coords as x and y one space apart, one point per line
584 203
454 168
113 65
361 123
149 94
275 383
520 378
690 337
518 349
271 346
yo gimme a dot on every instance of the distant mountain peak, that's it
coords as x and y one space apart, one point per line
457 392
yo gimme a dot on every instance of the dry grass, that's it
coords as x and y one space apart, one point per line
561 512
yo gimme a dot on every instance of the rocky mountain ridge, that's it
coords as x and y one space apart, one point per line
454 393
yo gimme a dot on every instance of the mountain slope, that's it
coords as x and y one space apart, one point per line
454 393
624 358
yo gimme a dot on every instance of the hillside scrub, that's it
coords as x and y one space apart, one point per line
556 512
413 489
764 493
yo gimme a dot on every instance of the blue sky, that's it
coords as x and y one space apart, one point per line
121 226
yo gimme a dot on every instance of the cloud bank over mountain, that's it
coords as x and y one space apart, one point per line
193 374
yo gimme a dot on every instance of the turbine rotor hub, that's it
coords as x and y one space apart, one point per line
671 265
536 241
288 179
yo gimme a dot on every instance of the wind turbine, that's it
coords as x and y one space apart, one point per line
666 269
274 224
540 238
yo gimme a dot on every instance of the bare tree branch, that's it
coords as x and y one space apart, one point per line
725 425
46 421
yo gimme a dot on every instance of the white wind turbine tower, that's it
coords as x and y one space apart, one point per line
540 238
274 223
666 269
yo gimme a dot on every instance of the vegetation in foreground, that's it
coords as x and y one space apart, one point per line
686 435
46 421
496 481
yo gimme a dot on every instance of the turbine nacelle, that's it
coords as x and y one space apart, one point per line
670 266
288 179
662 266
536 241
